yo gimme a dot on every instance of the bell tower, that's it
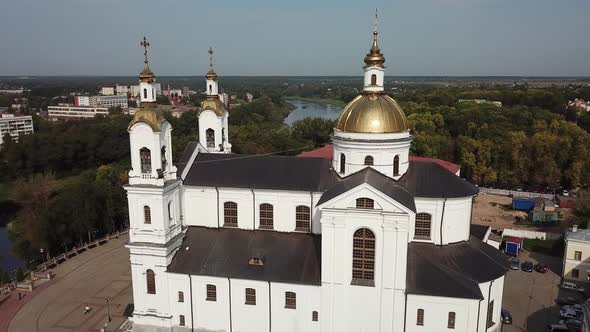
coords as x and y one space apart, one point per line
154 201
213 117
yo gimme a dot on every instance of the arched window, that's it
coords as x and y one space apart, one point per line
396 165
147 215
180 296
363 257
230 214
369 160
163 154
145 156
144 93
342 163
314 316
250 296
364 203
181 321
373 79
210 137
302 218
420 317
150 278
290 300
266 216
170 210
210 89
423 224
451 320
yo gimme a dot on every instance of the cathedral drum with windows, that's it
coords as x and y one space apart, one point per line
361 238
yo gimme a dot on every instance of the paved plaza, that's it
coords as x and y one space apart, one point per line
86 279
530 296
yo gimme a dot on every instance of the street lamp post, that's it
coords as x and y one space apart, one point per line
108 308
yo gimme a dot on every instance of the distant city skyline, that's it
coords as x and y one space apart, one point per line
295 38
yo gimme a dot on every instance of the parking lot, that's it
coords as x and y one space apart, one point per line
530 296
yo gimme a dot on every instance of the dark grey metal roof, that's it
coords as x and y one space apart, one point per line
479 231
185 158
376 180
429 179
224 252
261 172
453 270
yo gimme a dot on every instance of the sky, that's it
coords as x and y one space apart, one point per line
295 37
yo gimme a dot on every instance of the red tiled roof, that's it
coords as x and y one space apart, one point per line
327 152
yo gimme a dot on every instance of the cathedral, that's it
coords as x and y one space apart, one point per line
364 238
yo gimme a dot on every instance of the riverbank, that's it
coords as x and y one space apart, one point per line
329 101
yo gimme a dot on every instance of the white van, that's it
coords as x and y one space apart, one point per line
572 286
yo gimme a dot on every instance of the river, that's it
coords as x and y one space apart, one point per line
8 261
307 109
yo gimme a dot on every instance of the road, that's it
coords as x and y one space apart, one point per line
86 279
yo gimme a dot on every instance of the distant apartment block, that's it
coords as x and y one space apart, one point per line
101 101
107 91
75 112
126 90
15 126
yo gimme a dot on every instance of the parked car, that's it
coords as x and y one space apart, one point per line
527 266
557 327
568 314
506 316
573 324
574 307
572 286
565 193
541 267
514 263
567 300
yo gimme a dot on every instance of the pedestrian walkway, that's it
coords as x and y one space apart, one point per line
87 279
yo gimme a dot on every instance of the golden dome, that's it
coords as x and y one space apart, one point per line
146 74
213 103
372 113
211 74
150 115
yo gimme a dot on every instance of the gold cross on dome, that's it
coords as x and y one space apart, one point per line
145 44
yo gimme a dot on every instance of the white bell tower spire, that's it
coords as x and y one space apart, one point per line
212 85
374 68
213 117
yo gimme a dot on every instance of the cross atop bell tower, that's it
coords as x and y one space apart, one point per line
145 44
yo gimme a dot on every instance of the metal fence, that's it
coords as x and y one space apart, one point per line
515 193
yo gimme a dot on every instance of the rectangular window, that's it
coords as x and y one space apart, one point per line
211 293
578 255
290 300
451 322
250 296
314 316
180 296
575 273
490 320
420 317
364 203
181 322
423 225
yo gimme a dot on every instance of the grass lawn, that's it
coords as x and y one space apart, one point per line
335 102
547 247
